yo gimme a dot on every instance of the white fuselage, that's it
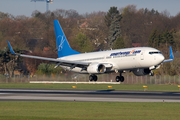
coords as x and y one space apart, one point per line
121 59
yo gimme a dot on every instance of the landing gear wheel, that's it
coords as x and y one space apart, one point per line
93 78
121 78
117 78
90 78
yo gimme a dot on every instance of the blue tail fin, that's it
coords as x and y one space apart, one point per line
63 46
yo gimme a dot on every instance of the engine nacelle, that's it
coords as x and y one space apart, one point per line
141 72
96 68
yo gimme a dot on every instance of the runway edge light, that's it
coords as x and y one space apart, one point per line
179 87
145 87
109 86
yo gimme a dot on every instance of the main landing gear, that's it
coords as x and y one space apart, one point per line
120 78
93 77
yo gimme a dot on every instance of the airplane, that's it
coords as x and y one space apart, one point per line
139 60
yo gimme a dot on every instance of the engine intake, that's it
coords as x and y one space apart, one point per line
96 68
141 72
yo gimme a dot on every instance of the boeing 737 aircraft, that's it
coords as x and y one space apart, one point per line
140 60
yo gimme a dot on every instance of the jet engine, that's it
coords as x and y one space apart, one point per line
141 72
96 68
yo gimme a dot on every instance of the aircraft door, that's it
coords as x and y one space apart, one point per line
142 55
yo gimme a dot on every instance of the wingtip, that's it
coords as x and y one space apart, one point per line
12 51
171 53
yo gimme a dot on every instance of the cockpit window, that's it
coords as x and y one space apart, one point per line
154 52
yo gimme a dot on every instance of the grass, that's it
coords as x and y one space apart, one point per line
136 87
20 110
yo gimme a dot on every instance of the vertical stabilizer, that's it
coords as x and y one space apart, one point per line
63 47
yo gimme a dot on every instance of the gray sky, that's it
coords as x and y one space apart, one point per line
26 7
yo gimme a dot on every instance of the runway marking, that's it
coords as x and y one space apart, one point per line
87 95
31 98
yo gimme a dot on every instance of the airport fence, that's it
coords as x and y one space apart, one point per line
129 78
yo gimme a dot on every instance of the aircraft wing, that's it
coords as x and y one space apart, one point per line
57 61
171 56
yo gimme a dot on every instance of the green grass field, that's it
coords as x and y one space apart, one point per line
20 110
137 87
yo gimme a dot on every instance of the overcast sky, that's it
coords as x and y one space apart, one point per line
26 7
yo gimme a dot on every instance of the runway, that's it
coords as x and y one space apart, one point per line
87 95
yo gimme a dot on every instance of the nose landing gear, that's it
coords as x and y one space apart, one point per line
151 73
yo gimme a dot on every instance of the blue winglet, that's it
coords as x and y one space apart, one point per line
12 51
171 53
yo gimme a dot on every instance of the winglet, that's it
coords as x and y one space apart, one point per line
171 56
12 51
171 53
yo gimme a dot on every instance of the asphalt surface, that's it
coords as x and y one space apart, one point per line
87 95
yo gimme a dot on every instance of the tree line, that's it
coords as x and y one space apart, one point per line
117 28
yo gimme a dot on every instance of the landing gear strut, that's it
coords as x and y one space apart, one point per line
120 78
93 78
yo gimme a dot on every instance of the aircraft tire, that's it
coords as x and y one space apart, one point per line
121 78
117 78
95 78
91 78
